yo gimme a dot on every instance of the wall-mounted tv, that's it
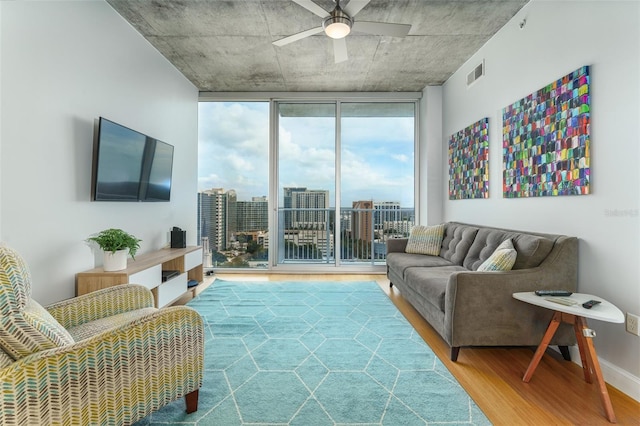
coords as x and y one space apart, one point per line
129 165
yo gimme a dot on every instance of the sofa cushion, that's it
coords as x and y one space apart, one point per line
502 259
399 262
531 249
425 240
431 283
456 242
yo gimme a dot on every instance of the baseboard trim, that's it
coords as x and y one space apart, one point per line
615 376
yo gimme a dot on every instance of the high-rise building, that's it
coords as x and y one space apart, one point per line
308 223
232 216
288 203
216 217
309 207
252 215
362 220
386 211
400 228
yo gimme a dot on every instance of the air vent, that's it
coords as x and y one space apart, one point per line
475 74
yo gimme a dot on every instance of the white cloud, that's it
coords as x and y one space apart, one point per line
401 158
233 147
377 154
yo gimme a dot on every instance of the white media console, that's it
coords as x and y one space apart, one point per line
147 270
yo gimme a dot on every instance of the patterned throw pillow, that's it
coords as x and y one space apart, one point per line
502 258
425 240
25 326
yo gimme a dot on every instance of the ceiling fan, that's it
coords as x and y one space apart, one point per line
338 23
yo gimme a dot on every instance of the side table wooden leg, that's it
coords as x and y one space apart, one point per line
548 335
586 365
594 364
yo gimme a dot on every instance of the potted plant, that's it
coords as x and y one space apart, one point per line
116 244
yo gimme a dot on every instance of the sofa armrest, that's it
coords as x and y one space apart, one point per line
101 304
480 308
396 245
118 376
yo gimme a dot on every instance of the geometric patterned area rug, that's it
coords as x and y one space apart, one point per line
314 354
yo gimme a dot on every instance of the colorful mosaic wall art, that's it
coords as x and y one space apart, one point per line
546 138
469 162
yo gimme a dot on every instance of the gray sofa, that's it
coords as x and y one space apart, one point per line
471 308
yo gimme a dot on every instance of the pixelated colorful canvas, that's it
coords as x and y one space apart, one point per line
546 138
469 162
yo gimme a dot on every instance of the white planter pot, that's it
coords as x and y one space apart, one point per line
115 261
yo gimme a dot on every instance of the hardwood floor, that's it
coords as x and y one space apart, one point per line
556 395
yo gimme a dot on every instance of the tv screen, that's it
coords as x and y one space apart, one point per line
158 184
129 165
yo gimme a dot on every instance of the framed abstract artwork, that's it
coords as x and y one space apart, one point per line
469 162
546 140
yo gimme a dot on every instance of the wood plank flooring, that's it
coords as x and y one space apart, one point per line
556 395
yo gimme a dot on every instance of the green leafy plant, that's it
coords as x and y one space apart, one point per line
116 239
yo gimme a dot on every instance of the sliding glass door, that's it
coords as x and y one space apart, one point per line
345 180
376 178
306 165
289 183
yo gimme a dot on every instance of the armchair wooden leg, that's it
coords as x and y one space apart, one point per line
192 401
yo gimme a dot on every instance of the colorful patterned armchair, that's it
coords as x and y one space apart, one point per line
108 357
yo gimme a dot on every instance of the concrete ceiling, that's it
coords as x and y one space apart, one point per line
226 46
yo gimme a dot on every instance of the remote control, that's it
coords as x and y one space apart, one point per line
561 301
553 293
590 304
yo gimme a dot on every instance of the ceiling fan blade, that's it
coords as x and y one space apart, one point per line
312 7
382 28
298 36
355 6
340 50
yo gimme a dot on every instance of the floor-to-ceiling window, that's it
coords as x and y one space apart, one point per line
342 181
377 177
306 165
233 183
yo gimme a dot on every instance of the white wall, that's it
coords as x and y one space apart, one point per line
430 167
64 64
559 37
1 119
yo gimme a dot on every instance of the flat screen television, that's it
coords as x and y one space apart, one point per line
129 165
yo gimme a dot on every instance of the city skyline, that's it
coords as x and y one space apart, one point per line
376 158
264 198
306 223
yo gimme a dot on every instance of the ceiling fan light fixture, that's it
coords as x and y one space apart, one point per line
337 30
338 25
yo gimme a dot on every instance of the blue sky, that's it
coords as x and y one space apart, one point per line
376 157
